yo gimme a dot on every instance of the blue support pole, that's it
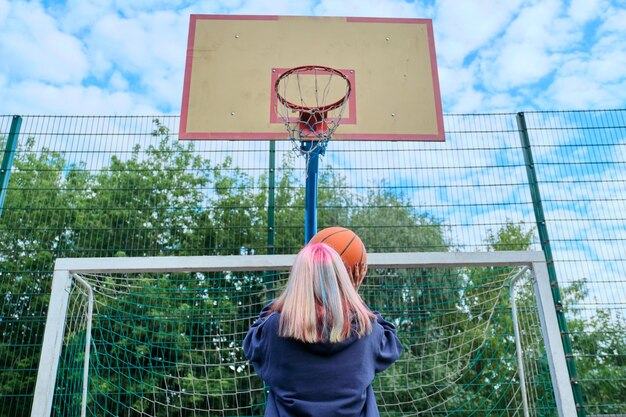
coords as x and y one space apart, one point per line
312 152
7 159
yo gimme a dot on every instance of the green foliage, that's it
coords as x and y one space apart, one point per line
168 200
599 348
498 351
31 235
511 236
165 199
598 342
388 223
148 204
237 212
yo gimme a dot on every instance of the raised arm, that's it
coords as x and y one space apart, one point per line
390 346
256 341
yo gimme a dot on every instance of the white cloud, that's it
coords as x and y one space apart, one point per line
139 7
615 21
467 101
34 48
77 16
4 10
579 91
454 79
32 97
149 49
582 11
279 7
527 51
463 27
492 55
544 58
608 67
523 64
542 23
123 41
592 77
592 80
370 8
504 102
461 93
117 82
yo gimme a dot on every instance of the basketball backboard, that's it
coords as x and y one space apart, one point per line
233 63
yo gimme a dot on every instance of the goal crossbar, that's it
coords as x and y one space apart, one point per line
65 268
284 262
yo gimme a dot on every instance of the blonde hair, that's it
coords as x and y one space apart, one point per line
320 303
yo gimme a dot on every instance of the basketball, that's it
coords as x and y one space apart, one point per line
345 242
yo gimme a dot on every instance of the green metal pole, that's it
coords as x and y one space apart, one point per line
7 159
271 231
270 276
545 246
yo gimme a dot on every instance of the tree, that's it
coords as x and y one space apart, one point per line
389 223
599 348
511 236
456 328
165 199
147 204
35 227
597 339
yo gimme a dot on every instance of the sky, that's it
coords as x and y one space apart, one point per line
127 57
115 57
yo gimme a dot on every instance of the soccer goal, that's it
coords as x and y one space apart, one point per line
161 336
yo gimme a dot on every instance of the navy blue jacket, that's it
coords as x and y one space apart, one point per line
320 379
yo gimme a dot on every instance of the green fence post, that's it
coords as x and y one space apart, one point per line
271 231
270 276
545 246
7 159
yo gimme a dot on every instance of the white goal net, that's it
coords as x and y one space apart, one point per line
162 336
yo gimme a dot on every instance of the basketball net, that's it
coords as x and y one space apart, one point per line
310 101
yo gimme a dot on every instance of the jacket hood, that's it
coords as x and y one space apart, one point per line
328 348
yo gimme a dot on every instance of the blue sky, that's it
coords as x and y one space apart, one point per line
115 57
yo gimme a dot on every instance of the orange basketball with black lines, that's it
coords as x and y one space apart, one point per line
345 242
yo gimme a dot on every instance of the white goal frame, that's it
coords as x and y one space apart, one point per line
66 269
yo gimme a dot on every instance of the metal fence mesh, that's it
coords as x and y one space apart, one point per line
579 158
125 186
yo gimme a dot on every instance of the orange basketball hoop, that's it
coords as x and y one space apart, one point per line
313 122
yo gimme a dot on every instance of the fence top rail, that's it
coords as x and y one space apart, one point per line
284 262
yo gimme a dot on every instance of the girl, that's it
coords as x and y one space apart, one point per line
317 345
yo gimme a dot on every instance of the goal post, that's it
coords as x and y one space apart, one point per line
167 333
59 308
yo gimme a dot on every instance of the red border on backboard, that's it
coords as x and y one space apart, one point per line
184 135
